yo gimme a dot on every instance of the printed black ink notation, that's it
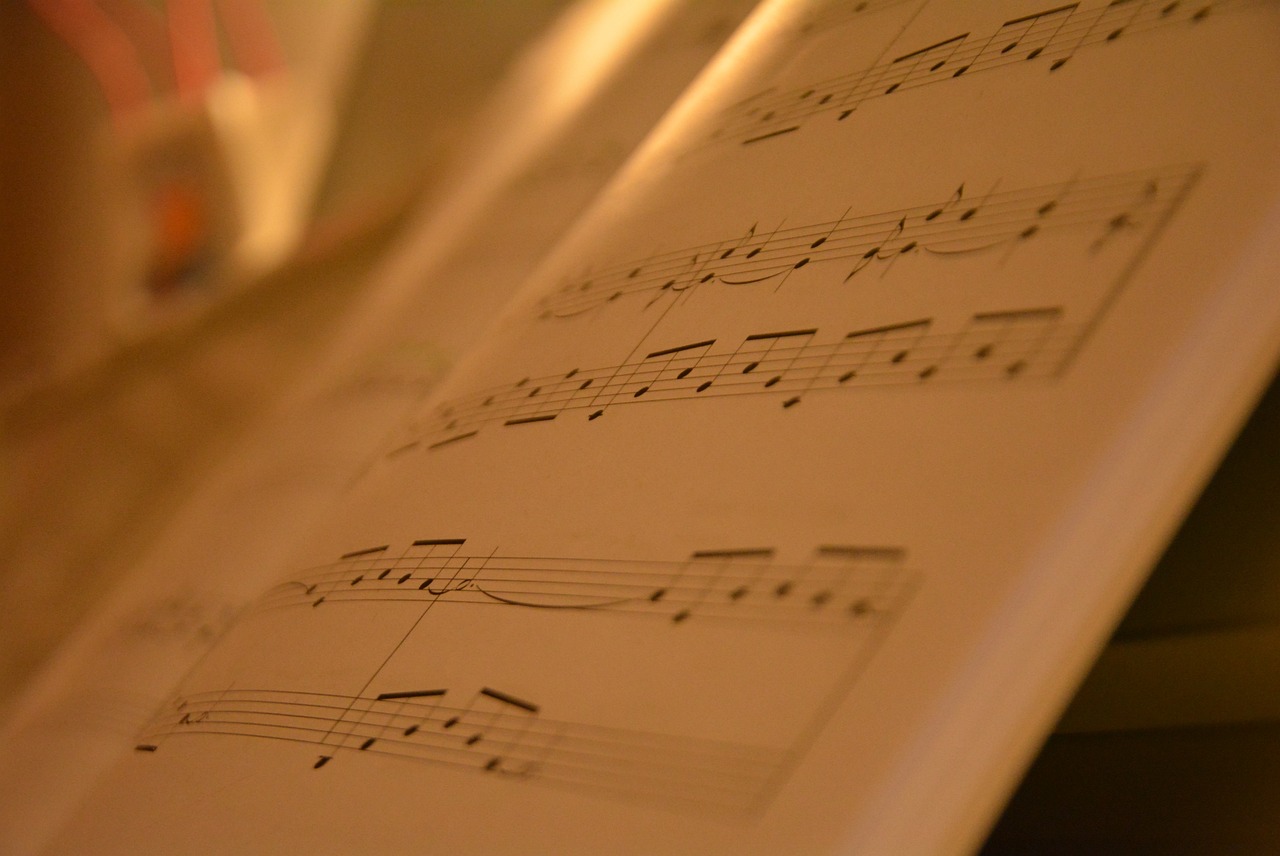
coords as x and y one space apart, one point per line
787 365
835 14
1050 37
494 733
841 587
957 225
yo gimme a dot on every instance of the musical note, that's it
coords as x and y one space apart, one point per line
365 743
911 69
767 359
719 562
658 376
884 350
424 714
1050 37
735 586
773 265
494 728
1027 37
495 733
370 569
1004 343
955 226
676 276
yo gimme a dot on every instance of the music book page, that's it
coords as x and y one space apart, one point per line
787 501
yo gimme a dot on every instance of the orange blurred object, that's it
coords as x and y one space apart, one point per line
180 224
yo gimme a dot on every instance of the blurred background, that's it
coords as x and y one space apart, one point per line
160 157
194 194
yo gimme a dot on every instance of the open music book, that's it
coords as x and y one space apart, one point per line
786 500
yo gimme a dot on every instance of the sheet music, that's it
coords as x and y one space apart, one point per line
923 386
833 605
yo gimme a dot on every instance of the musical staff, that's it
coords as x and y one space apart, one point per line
495 733
991 346
839 588
833 15
500 733
1050 37
957 225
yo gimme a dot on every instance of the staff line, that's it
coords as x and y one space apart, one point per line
644 754
661 570
989 353
1054 44
695 795
341 701
1055 207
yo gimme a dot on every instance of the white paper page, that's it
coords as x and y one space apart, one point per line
574 125
932 316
